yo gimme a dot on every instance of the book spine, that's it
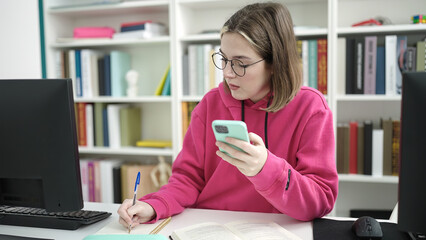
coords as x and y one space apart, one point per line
91 172
305 62
359 66
82 136
380 70
322 65
353 150
370 52
313 70
78 80
377 153
395 147
350 73
368 144
421 56
390 64
401 47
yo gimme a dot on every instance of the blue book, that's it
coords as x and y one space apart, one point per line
120 65
78 82
313 63
105 126
166 88
380 70
133 28
107 74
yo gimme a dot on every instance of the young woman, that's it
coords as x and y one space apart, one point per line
289 166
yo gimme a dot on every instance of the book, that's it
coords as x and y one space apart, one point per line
421 56
377 153
387 145
130 125
380 70
107 74
84 175
154 143
349 82
390 64
368 144
370 54
359 66
305 62
401 47
89 73
99 123
166 89
81 126
78 83
410 58
128 176
119 65
396 125
162 82
360 148
343 148
322 65
90 135
313 62
236 230
113 115
353 147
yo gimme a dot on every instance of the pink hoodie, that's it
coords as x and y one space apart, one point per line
298 179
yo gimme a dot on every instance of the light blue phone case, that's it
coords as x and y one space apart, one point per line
230 128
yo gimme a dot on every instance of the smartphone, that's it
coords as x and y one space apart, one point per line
230 128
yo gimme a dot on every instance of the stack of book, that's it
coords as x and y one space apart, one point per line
142 29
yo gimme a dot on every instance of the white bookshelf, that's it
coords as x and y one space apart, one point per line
186 19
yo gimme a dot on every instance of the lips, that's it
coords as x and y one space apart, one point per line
233 87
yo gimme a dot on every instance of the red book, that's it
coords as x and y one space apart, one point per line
129 24
322 65
81 128
353 147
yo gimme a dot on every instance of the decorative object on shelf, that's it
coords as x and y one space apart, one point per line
418 19
161 173
132 83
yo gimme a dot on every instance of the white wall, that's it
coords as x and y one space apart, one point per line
20 55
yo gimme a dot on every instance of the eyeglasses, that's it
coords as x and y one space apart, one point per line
237 66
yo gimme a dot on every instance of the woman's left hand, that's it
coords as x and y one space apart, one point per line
251 161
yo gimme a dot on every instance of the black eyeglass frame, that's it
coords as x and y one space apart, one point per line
244 66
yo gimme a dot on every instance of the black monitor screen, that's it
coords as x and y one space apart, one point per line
412 178
39 161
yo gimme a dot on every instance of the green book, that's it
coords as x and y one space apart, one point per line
313 61
130 126
99 124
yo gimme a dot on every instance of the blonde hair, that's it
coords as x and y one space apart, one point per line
268 28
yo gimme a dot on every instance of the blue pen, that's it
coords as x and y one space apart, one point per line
138 179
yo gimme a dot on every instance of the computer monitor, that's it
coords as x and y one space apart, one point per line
412 174
39 160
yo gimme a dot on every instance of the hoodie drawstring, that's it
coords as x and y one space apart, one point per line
266 120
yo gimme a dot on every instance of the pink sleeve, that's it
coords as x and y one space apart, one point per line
309 189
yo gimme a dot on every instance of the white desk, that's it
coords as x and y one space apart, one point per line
186 218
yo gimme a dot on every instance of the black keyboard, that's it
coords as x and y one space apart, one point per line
37 217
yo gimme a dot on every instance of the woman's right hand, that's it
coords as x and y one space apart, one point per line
133 215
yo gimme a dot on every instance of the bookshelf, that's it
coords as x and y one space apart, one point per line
187 19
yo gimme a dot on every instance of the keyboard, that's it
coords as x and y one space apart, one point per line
38 217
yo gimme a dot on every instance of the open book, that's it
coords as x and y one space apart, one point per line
238 230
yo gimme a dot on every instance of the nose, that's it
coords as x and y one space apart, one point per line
228 72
